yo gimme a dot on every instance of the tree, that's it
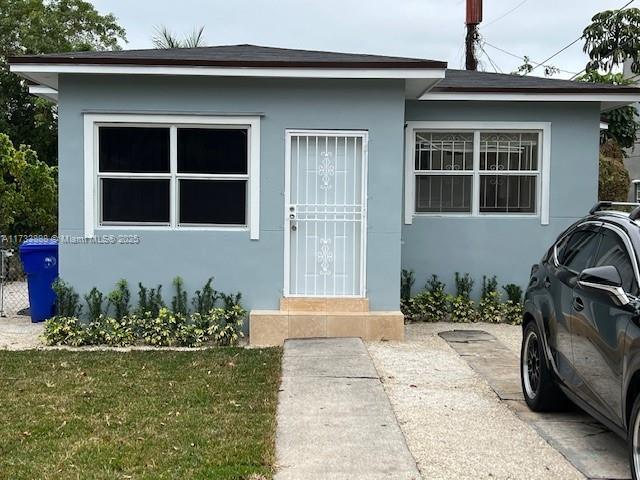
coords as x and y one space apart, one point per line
613 37
623 123
613 180
164 38
44 26
28 192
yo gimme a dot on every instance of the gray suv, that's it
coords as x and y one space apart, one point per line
581 326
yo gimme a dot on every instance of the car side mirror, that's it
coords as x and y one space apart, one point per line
606 279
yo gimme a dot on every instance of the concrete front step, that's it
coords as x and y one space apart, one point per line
273 327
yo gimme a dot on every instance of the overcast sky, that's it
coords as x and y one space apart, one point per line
416 28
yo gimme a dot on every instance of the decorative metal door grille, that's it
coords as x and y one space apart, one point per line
325 214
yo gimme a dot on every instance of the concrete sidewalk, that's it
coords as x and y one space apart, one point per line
334 418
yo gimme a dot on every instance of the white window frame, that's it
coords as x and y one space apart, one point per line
542 196
636 192
92 123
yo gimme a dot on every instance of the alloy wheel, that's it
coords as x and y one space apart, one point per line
531 365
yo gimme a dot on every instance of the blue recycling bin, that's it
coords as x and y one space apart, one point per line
40 261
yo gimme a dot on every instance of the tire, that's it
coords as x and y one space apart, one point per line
538 386
633 440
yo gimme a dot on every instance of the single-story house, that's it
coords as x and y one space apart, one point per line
308 180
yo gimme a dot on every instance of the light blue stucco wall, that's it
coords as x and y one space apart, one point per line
239 264
507 247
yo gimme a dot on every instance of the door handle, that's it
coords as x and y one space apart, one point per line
578 304
293 227
547 282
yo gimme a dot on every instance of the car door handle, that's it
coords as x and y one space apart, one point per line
547 282
578 304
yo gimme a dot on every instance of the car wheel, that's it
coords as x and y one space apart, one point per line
634 440
539 389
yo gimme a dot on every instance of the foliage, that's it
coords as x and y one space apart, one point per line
430 305
28 192
112 332
35 27
67 300
514 292
230 300
159 331
163 38
527 67
95 301
205 299
613 37
179 302
463 310
149 300
60 330
119 299
226 325
622 123
489 309
613 179
464 285
407 279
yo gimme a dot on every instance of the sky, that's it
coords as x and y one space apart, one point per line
414 28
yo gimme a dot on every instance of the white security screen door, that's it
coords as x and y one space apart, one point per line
325 213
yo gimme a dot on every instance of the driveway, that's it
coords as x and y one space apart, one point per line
454 424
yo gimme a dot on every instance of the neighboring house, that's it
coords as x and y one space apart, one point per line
282 173
632 158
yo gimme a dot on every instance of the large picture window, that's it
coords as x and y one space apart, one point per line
476 172
174 174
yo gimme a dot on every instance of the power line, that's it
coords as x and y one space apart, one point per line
493 64
571 44
505 13
520 57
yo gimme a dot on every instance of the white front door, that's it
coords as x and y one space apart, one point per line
325 213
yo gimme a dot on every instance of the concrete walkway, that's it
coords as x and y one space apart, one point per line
334 418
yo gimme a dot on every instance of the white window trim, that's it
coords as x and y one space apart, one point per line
91 190
410 183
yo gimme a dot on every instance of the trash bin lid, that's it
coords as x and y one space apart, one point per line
39 245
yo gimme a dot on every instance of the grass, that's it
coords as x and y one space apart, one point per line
200 414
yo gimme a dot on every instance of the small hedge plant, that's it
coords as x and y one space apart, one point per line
433 304
112 323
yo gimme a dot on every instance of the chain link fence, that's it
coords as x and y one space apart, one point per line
14 296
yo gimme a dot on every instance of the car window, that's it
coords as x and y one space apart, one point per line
612 251
575 251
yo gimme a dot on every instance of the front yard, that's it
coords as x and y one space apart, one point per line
141 414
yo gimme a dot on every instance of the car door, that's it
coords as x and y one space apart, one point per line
571 255
599 326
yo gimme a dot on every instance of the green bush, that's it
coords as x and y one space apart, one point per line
462 307
205 299
149 300
64 331
512 309
95 301
490 309
407 280
179 302
430 305
67 300
112 332
119 299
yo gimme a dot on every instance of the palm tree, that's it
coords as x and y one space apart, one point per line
164 38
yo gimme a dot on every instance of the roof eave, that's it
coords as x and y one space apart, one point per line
607 98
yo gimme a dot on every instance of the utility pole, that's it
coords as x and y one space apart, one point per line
474 17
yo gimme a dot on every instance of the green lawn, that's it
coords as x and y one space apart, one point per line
160 414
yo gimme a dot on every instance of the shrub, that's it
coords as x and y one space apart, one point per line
205 299
67 300
512 308
407 280
231 300
159 331
95 301
64 331
112 332
226 325
490 309
462 307
179 302
119 299
149 300
430 305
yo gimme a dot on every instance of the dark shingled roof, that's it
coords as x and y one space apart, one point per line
479 82
232 56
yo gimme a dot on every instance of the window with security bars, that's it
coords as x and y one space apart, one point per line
477 172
